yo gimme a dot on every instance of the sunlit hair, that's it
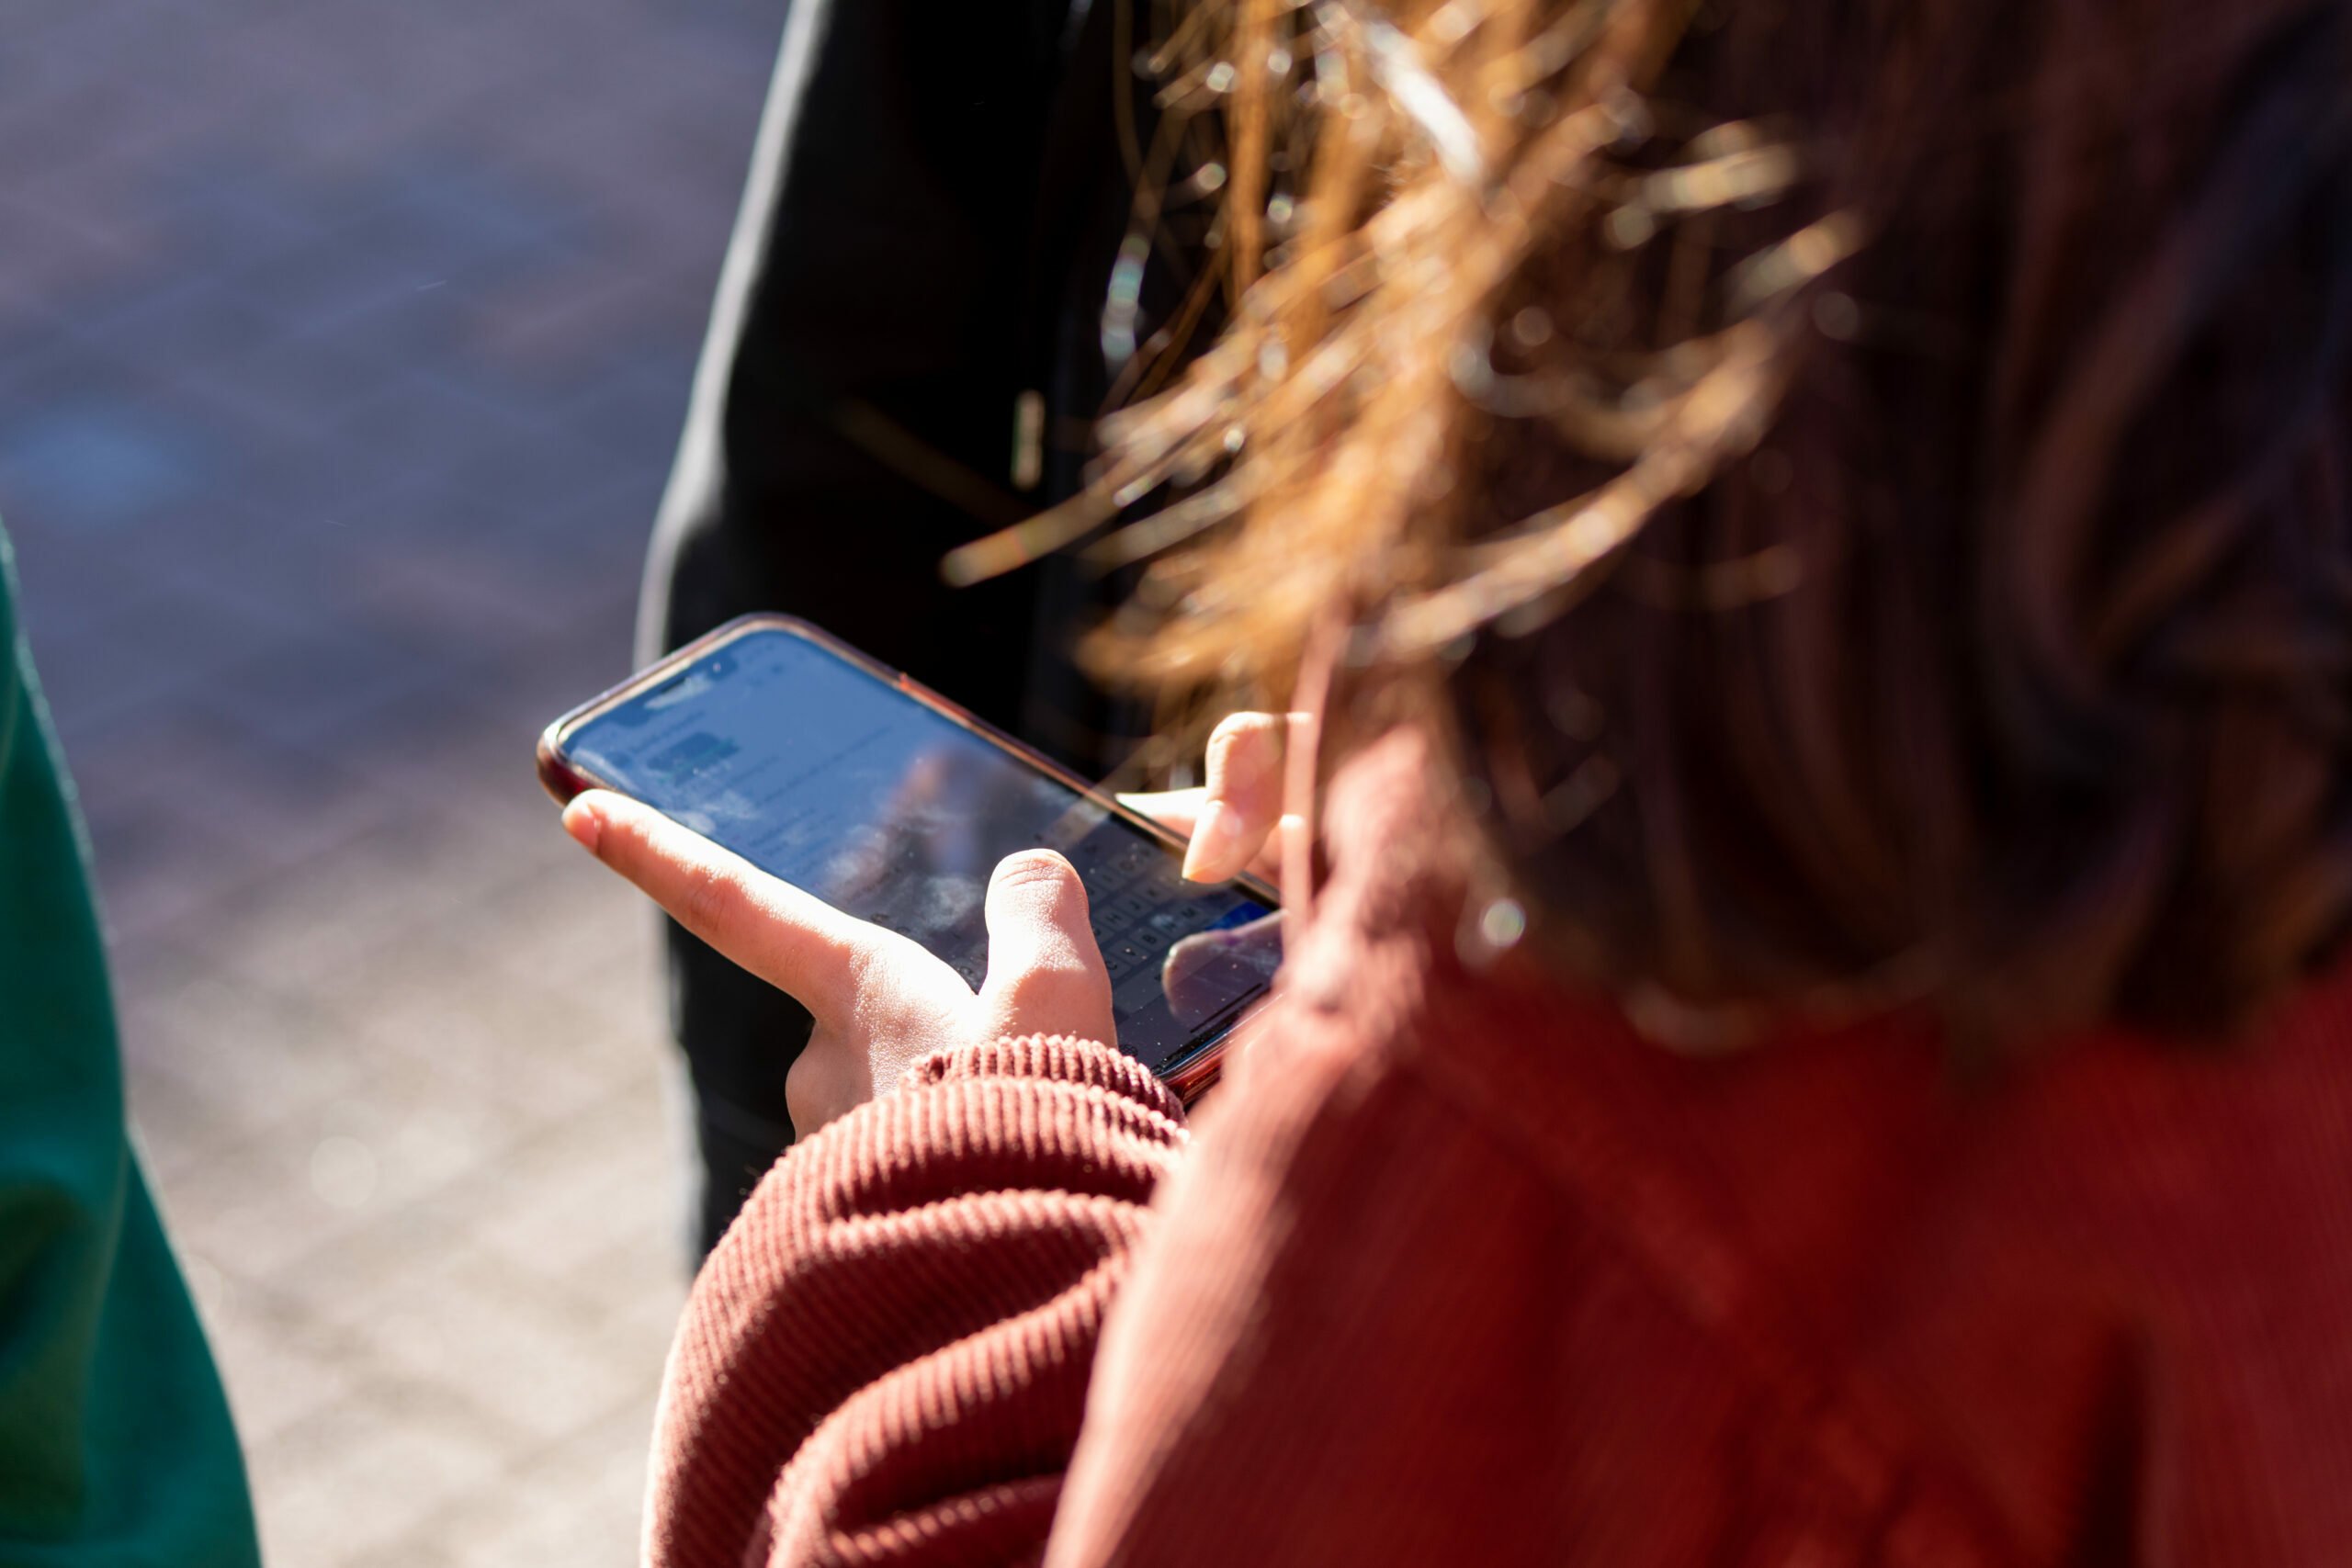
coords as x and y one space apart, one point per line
1865 483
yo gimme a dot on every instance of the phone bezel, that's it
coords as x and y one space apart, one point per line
1189 1072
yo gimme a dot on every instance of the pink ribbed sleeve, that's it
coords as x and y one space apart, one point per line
887 1355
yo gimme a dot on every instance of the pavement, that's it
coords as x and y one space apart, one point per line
343 349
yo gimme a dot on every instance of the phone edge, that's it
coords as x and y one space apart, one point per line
562 781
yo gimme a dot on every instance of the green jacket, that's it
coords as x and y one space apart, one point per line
115 1441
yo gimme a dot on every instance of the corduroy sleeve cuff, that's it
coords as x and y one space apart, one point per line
892 1345
1056 1057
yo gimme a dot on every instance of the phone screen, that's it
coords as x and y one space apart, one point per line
815 770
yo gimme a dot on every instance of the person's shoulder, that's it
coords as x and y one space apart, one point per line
1427 1289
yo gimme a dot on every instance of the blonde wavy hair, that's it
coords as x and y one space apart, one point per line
1866 479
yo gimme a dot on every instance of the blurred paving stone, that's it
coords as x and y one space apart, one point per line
531 1055
255 1216
176 1124
103 462
282 805
161 863
560 1227
367 1471
281 1368
568 1507
343 349
543 1375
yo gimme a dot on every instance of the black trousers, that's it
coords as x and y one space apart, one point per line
853 418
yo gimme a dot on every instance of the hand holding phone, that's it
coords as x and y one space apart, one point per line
881 1001
867 818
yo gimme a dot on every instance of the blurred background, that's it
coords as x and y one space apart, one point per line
343 349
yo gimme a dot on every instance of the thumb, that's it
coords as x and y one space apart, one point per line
1046 974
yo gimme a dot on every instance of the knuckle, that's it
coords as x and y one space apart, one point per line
1230 732
1243 744
869 965
1236 728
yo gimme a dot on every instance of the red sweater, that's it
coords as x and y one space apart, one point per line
1459 1270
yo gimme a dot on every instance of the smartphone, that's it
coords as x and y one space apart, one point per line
856 783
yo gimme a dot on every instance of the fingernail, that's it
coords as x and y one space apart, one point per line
583 822
1213 837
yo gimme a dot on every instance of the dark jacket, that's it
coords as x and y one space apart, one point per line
928 226
927 230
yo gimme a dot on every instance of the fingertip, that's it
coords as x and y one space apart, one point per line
1033 890
608 824
1032 867
583 819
